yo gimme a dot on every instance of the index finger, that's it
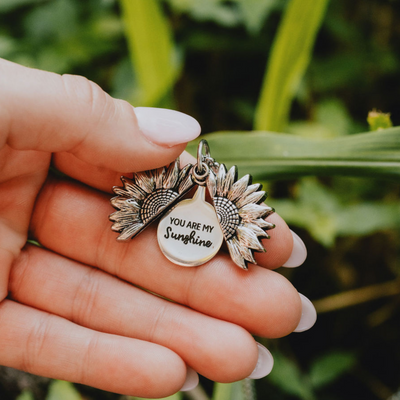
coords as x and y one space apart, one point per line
50 112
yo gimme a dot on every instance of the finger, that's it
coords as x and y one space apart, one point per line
98 177
44 344
279 246
70 113
218 350
261 301
22 173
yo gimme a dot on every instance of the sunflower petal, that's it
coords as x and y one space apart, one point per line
252 188
119 202
125 215
220 180
229 180
251 212
121 225
255 198
185 179
238 188
133 189
247 238
158 175
268 211
122 203
130 232
145 182
264 224
212 184
115 216
247 254
233 247
171 176
257 230
120 192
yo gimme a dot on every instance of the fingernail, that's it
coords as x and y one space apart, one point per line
192 380
166 127
264 365
308 314
299 253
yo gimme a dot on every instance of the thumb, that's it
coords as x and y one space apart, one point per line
48 112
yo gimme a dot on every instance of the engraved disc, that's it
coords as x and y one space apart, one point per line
190 235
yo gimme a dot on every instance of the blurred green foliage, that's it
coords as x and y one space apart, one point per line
324 67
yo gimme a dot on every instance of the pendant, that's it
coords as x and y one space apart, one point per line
190 235
191 231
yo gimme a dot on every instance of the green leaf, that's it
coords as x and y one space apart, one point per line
7 45
379 120
320 210
62 390
289 58
55 20
9 5
268 155
368 217
255 12
330 367
25 395
287 376
34 242
316 209
228 391
151 49
208 10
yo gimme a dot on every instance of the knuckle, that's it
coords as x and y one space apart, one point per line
81 89
157 325
38 336
88 97
18 274
87 363
85 298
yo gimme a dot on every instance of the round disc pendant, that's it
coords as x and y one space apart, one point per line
190 235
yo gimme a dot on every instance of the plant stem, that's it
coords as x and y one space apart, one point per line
357 296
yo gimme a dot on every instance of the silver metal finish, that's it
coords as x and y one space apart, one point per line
147 196
238 205
241 212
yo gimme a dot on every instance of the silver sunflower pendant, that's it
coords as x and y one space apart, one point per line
241 212
191 231
147 196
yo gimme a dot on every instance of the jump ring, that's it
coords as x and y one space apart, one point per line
200 157
201 177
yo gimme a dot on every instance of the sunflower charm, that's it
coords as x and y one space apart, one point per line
145 197
192 230
241 212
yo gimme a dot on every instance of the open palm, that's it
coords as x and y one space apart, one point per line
75 309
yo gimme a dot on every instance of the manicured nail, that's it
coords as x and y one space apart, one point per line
299 253
192 380
308 314
166 127
264 365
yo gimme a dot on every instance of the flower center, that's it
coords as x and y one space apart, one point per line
155 202
228 216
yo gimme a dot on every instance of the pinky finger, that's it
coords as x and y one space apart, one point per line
44 344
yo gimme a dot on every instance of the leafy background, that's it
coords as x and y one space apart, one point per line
248 69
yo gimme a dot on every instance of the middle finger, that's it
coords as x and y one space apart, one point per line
72 219
219 350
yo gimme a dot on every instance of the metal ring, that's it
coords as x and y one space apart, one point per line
203 145
201 177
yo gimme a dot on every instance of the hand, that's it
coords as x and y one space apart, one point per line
73 309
